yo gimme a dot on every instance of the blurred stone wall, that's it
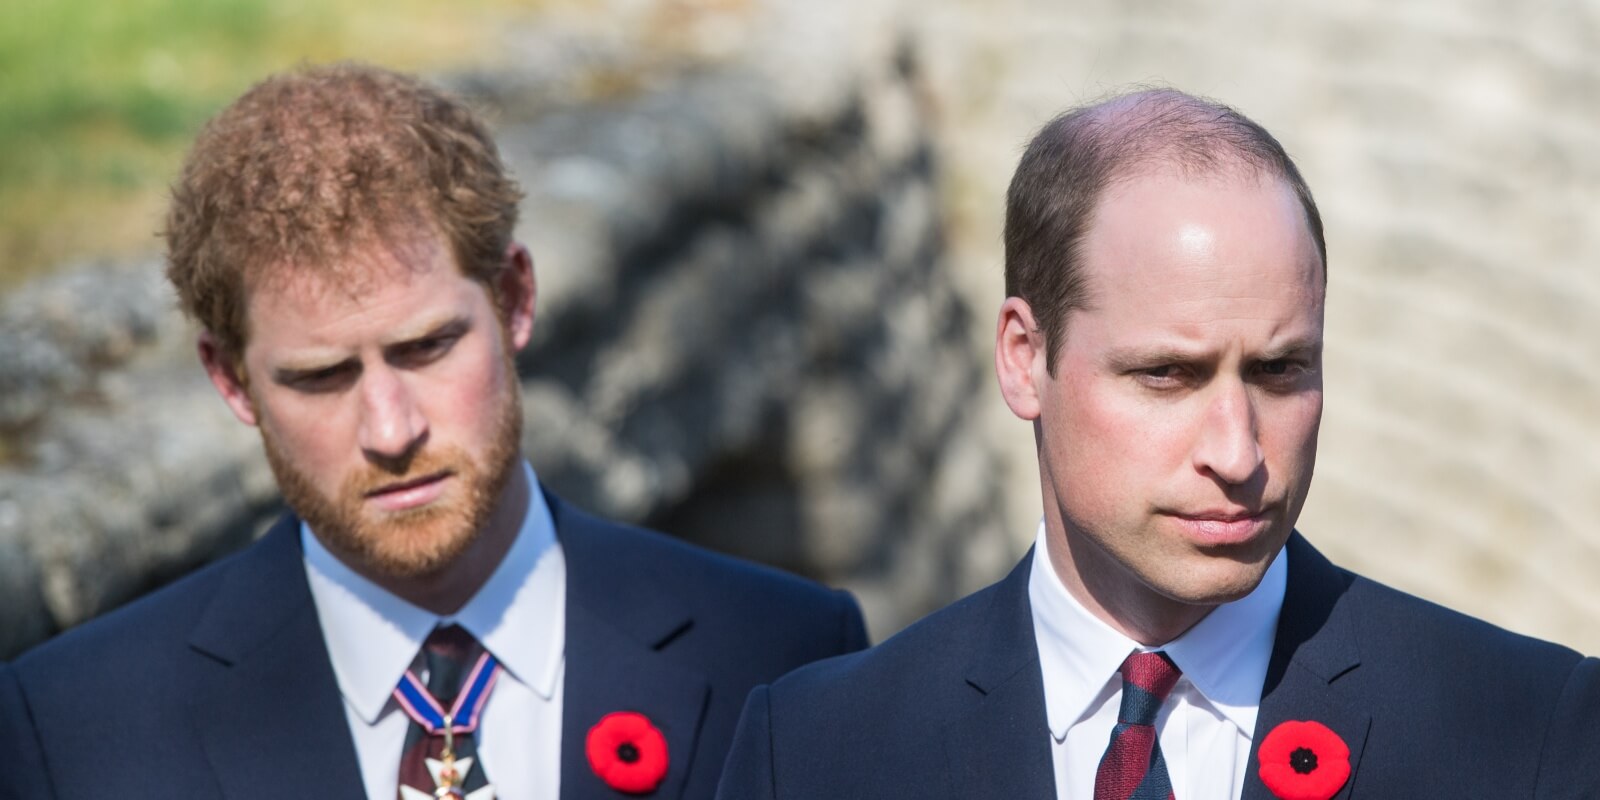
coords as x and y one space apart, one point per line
1454 148
746 336
767 237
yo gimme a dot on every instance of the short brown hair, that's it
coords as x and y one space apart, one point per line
1076 156
312 162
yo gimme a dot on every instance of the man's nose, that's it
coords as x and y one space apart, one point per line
1229 446
392 424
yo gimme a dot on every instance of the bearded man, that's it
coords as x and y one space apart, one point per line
428 621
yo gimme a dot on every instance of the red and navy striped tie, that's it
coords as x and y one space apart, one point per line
1132 768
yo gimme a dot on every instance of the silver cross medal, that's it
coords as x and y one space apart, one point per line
448 773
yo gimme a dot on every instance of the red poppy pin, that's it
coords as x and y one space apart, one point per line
1304 761
627 752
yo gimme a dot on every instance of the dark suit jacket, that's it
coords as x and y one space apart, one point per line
220 685
1431 703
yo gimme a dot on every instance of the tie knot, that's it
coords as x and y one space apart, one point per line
446 655
1147 679
450 641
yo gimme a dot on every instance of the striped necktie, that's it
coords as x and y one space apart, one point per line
1132 768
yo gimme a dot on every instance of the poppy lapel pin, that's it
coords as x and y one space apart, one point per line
1304 760
628 752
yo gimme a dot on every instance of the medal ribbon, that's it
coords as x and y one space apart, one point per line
425 710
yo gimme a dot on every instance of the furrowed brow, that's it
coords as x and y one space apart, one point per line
1142 357
453 325
291 372
1292 347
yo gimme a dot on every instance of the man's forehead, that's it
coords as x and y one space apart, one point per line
348 273
1193 214
1177 251
301 306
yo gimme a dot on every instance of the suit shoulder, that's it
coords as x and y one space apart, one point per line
1406 644
1389 614
105 662
1396 632
933 647
690 568
152 622
152 628
714 604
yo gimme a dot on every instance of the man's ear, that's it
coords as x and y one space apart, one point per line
1019 358
517 290
228 376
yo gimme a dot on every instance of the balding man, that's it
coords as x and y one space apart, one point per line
1170 634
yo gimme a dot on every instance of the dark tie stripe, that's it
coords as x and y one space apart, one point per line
1156 784
1139 707
1133 767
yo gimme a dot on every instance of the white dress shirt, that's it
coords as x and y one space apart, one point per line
1207 723
519 615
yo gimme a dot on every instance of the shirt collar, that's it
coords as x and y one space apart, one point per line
1224 656
518 614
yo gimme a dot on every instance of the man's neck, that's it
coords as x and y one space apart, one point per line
448 590
1114 596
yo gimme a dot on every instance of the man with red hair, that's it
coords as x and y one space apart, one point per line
428 621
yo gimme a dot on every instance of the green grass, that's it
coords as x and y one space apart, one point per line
99 98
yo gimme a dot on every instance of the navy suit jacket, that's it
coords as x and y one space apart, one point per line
1432 703
220 686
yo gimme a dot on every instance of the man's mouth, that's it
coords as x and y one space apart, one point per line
1223 526
411 493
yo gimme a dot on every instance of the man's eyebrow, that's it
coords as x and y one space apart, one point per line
1140 357
297 368
293 371
450 326
1290 347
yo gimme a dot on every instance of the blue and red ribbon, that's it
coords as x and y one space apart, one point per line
421 706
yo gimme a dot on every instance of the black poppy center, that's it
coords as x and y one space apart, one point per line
629 754
1303 760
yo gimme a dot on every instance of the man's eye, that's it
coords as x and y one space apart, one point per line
423 351
321 380
1165 376
1285 373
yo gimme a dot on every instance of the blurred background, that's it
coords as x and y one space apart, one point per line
767 234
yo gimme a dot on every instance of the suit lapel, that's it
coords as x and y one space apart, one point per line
999 744
272 723
1315 647
619 626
